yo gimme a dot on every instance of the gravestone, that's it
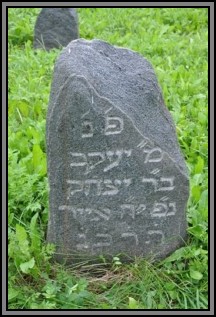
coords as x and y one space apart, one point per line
55 27
118 182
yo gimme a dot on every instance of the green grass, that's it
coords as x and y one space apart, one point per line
175 41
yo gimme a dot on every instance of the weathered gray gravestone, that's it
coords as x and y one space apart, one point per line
55 27
118 182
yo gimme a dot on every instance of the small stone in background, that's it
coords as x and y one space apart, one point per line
55 27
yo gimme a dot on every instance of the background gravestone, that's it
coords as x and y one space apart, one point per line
118 182
55 27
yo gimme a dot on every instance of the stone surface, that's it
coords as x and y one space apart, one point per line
118 182
55 27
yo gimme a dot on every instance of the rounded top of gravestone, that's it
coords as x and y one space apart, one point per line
105 67
55 27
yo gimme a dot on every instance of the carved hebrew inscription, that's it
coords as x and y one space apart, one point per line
113 125
122 186
90 161
98 187
164 184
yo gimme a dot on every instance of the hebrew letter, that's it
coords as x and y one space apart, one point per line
103 214
130 235
106 240
113 125
111 189
81 159
152 181
83 245
89 182
157 157
115 157
156 233
163 209
172 212
159 210
168 184
78 184
140 209
99 157
111 156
